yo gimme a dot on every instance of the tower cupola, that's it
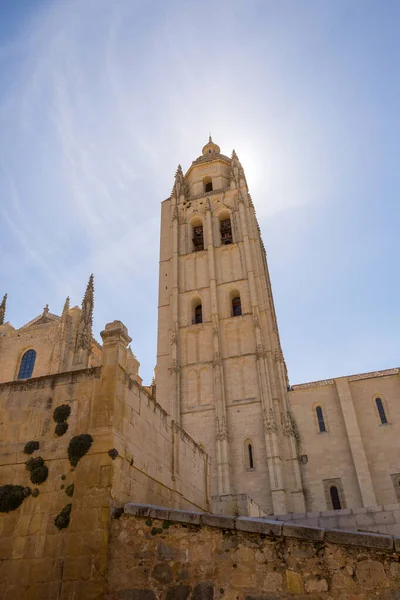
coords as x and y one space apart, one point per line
211 148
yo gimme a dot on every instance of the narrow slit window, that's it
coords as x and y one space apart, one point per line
226 232
381 411
320 417
27 364
198 314
251 460
236 307
334 492
198 238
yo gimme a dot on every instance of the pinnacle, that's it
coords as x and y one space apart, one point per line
3 309
66 305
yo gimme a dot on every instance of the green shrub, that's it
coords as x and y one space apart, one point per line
78 447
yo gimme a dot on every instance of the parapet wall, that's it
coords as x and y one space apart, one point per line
377 519
158 553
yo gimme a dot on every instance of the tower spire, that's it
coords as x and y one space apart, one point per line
66 308
3 309
88 302
84 334
180 186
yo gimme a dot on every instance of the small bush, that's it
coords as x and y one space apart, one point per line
78 447
61 413
61 428
12 496
113 453
70 490
30 447
62 519
38 470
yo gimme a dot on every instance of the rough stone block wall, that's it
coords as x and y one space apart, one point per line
157 554
38 561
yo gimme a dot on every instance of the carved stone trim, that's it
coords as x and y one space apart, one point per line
221 429
269 421
260 352
256 317
278 356
175 366
312 384
175 213
288 427
215 324
174 334
374 374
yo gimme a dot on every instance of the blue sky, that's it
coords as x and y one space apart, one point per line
99 102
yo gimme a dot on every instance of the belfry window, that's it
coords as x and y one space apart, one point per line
207 182
198 238
381 411
335 499
226 232
27 364
198 314
236 307
320 417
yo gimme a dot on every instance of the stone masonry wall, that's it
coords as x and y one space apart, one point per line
38 561
158 554
378 519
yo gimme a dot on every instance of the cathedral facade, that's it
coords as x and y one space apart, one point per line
221 373
227 432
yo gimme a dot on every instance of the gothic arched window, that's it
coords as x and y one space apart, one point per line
334 492
248 454
198 238
198 314
236 307
320 417
225 229
27 364
381 411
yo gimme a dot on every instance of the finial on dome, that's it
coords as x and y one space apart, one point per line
211 148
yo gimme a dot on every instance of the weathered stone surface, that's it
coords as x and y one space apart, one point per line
162 572
316 585
136 594
371 574
367 540
178 592
165 552
218 521
203 591
294 582
302 532
266 527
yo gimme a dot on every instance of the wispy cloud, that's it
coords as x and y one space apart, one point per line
100 100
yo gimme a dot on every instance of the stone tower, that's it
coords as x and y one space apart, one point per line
220 368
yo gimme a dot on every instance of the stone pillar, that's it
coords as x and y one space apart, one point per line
221 425
355 442
274 459
114 358
175 367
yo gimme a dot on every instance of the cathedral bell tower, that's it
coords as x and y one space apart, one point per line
220 368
